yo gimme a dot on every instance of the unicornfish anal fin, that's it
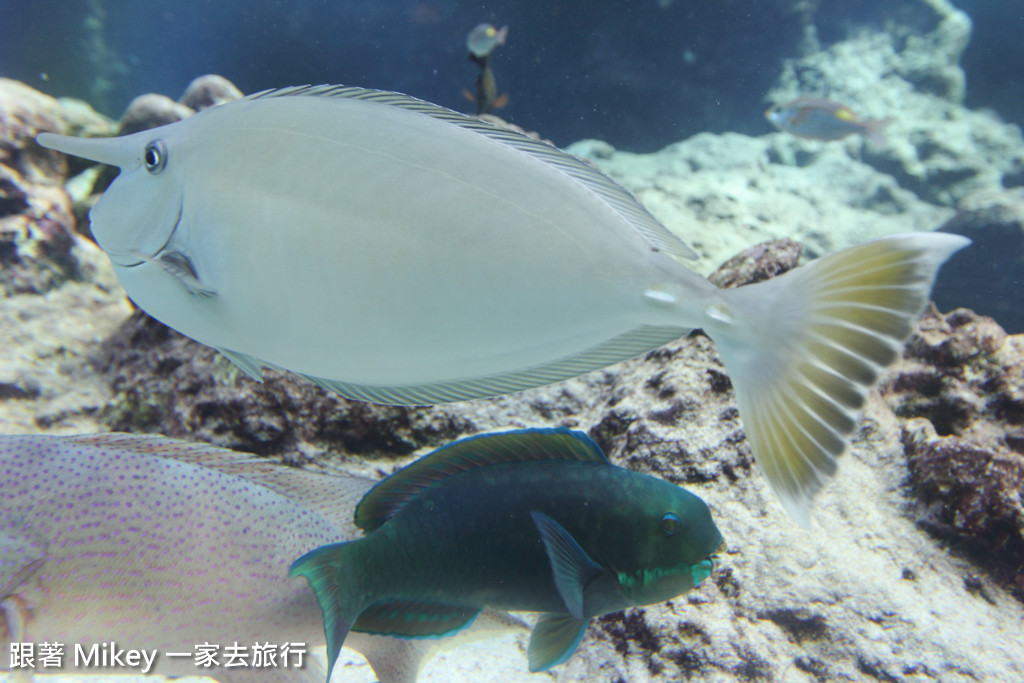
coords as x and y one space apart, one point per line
571 567
246 363
804 349
553 640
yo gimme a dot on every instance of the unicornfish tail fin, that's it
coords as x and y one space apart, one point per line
804 349
327 570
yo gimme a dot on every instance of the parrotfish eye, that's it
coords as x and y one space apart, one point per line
670 524
155 156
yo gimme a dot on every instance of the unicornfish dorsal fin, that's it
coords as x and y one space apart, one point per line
524 445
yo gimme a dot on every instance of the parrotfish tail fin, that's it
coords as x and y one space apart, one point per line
874 131
803 349
328 571
553 640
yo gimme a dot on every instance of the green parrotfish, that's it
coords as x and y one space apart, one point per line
160 545
398 252
535 520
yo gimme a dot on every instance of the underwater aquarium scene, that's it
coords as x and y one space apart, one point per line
433 341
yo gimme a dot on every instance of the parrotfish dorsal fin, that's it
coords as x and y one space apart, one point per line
524 445
619 199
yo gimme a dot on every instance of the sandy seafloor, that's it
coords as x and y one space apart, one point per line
502 658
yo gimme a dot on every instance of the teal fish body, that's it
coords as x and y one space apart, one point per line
534 520
397 252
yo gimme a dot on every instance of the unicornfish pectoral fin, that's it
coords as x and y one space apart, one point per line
180 267
571 566
553 640
804 349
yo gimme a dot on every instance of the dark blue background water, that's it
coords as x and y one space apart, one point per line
628 71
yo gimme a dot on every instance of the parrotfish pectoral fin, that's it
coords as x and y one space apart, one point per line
113 151
572 567
804 349
327 570
553 640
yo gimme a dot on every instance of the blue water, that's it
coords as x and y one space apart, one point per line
635 73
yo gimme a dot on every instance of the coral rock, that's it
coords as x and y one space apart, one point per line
760 262
209 91
150 111
38 244
961 390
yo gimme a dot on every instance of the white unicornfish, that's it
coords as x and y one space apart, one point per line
160 545
398 252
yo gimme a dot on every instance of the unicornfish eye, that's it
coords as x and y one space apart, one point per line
155 156
670 524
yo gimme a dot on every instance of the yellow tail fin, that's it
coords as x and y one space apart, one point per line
803 350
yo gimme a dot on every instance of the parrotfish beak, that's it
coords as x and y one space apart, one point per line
113 151
702 570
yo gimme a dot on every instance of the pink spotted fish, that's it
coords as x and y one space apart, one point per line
158 544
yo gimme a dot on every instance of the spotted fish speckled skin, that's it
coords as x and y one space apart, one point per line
533 519
398 252
160 544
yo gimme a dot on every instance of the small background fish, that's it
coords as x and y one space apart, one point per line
481 42
818 118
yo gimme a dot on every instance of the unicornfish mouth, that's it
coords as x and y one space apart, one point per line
134 257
